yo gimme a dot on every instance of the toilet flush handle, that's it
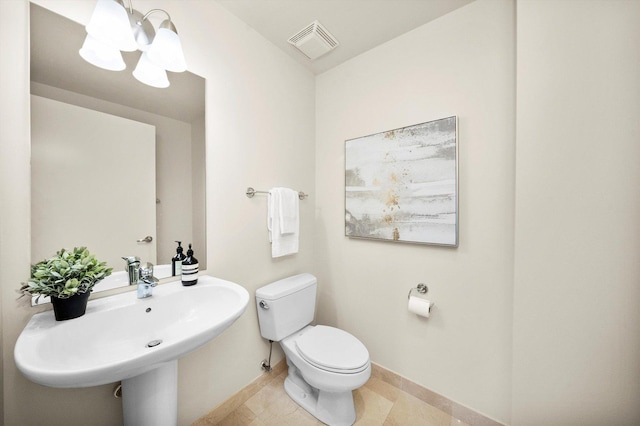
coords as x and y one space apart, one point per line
263 305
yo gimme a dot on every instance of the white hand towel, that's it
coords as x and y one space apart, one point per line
281 244
289 218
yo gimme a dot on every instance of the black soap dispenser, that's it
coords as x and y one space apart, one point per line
189 269
176 261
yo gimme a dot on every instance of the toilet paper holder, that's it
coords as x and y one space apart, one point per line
421 288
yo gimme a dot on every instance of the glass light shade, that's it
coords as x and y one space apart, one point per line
101 54
166 51
110 24
150 74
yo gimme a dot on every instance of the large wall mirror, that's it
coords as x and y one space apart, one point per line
116 166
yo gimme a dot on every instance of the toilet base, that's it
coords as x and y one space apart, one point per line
332 408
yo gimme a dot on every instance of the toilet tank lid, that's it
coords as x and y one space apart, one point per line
285 286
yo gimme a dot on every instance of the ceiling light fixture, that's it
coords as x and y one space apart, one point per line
113 27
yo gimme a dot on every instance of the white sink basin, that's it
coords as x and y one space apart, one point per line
110 342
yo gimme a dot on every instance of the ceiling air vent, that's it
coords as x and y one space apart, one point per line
314 40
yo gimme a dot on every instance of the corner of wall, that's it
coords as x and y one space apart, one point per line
14 182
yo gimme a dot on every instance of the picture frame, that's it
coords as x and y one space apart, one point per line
401 185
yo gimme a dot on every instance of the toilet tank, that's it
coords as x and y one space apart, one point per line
286 306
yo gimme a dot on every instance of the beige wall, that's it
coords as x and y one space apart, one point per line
14 179
576 330
260 132
461 64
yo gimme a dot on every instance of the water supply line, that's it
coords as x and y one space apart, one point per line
266 365
117 391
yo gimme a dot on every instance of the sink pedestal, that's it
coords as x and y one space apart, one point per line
151 399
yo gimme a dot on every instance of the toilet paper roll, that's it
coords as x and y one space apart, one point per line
419 306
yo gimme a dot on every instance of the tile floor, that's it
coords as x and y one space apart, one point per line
377 403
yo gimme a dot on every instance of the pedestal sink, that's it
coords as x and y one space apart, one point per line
134 340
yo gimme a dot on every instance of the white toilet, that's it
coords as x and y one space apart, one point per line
325 363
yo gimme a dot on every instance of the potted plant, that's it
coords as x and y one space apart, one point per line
68 278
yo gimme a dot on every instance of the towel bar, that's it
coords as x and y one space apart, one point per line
251 192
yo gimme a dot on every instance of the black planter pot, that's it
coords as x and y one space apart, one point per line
72 307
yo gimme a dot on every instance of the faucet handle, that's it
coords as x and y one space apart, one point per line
146 274
131 260
146 270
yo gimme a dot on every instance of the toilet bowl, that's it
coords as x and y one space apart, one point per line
323 372
325 363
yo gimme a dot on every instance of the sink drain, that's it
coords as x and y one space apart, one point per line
154 343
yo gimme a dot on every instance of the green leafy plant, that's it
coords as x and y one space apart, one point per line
66 274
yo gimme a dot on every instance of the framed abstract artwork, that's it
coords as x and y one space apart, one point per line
402 185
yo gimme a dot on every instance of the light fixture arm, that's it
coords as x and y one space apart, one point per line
130 8
168 24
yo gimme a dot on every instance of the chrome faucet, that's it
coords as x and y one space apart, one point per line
141 276
133 265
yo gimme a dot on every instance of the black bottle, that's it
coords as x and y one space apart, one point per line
189 269
176 261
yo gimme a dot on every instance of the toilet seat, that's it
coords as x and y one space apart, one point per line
332 349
